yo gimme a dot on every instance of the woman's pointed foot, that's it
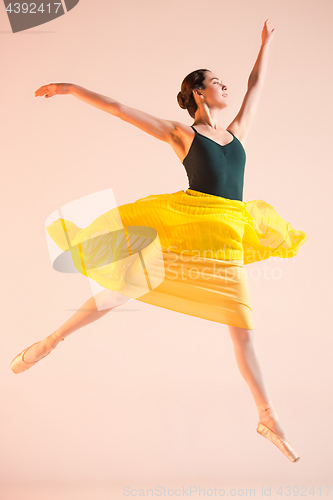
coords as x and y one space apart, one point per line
270 428
26 360
269 417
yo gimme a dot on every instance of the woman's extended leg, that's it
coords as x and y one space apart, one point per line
252 372
87 313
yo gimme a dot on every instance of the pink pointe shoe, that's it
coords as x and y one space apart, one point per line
266 432
18 365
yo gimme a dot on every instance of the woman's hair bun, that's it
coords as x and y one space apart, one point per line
182 100
185 98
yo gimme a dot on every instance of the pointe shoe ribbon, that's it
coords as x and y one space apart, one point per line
18 365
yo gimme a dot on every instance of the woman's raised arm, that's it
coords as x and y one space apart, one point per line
163 130
243 121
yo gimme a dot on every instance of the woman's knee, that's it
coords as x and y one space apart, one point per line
108 299
238 334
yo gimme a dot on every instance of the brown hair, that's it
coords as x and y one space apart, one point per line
194 80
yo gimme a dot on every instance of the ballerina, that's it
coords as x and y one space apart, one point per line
214 159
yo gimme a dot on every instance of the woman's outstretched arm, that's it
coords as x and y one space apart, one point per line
161 129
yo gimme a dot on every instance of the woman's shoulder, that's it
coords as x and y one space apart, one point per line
183 131
181 139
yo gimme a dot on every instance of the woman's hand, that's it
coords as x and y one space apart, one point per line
53 89
267 33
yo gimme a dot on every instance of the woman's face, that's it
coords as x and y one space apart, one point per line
215 92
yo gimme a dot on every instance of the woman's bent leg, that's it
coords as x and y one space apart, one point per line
88 313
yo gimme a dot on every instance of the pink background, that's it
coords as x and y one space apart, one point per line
148 397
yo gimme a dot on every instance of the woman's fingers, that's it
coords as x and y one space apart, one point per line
47 90
41 91
267 32
53 89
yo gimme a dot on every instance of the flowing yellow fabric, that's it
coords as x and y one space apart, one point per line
183 251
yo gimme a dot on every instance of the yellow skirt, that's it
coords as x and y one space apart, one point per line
183 251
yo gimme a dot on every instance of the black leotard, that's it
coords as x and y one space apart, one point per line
215 169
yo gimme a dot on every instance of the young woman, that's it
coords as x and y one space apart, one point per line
210 215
